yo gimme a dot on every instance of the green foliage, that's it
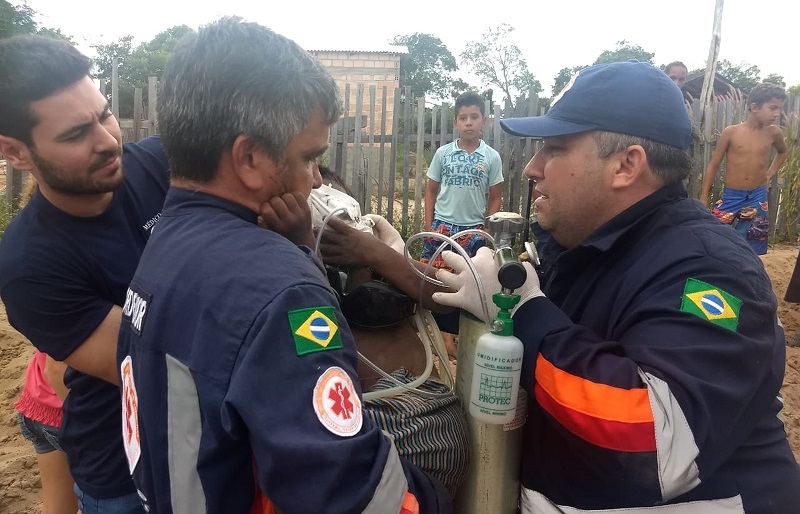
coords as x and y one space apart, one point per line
19 20
563 77
743 75
793 90
625 51
137 64
7 213
790 174
427 66
774 78
499 62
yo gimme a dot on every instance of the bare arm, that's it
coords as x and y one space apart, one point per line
495 196
431 192
54 373
780 158
97 355
346 246
714 163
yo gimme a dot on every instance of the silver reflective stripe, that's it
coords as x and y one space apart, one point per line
391 490
532 502
675 443
183 439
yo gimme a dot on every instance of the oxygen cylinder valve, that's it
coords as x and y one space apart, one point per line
504 227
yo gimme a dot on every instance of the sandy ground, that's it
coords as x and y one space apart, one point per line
19 480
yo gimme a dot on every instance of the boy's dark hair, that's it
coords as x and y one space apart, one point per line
470 98
330 176
673 64
765 92
33 68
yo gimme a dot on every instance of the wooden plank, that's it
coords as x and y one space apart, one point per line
368 174
419 171
408 101
333 148
14 180
382 150
137 113
343 164
434 119
393 156
152 105
357 184
115 87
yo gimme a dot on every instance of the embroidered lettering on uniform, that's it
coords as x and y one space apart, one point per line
336 403
130 414
135 308
711 303
314 329
151 222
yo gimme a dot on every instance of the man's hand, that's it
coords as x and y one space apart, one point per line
466 296
290 216
388 235
343 245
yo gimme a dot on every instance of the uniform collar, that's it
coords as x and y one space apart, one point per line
179 199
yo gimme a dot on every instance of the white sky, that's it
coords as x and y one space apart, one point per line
551 34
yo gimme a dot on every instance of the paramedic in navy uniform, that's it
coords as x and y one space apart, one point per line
655 361
237 368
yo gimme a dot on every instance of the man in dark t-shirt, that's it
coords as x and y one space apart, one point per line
68 256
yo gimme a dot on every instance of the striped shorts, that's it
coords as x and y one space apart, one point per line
429 432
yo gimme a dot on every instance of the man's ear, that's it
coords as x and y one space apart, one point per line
16 153
251 164
630 166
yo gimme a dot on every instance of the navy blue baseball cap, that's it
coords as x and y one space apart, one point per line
632 98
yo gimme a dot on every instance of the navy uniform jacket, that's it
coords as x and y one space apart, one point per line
60 275
238 375
656 380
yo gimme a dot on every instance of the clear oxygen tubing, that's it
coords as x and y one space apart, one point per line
428 338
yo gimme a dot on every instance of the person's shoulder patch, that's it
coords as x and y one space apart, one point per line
711 304
314 329
336 403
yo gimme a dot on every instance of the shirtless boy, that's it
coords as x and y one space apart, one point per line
746 149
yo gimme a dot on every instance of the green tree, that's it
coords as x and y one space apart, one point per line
743 75
427 66
18 20
499 62
563 76
793 90
625 51
774 78
137 64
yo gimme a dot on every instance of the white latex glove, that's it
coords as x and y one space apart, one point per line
466 296
386 233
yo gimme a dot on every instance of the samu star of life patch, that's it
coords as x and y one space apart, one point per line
130 414
711 304
336 403
314 329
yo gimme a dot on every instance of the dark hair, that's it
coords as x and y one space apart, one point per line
328 175
669 163
764 92
673 64
470 98
234 78
33 68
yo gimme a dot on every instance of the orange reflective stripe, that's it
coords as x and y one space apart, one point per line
592 399
261 504
410 504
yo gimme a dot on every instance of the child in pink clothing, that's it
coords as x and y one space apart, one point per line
39 416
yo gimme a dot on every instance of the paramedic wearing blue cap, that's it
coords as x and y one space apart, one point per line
653 354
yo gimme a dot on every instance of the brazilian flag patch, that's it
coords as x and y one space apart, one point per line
314 330
711 304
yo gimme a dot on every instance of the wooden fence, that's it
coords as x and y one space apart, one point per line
385 163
